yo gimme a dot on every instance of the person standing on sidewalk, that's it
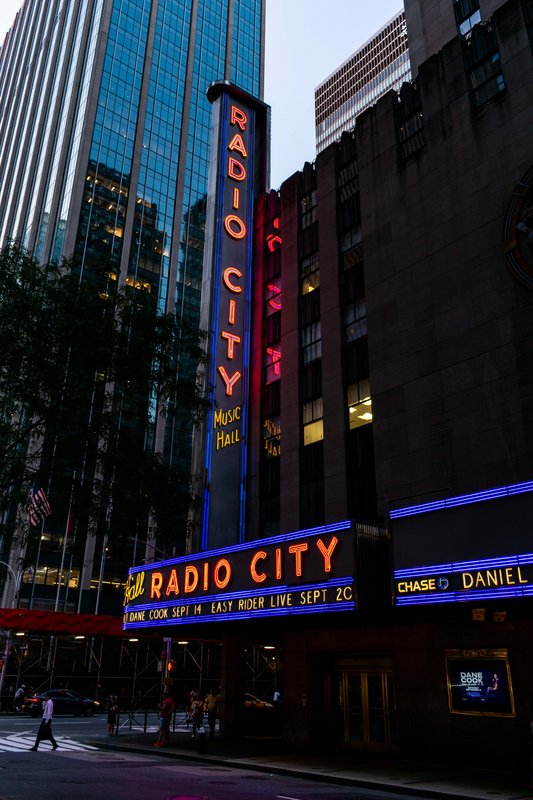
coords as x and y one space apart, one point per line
212 704
45 728
112 711
165 715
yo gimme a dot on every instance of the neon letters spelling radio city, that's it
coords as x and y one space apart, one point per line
191 579
235 227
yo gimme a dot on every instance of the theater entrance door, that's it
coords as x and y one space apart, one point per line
366 706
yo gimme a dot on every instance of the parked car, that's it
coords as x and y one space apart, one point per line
65 702
251 701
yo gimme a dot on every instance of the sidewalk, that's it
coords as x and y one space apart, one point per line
356 769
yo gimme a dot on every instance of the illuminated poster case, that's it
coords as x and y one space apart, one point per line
469 547
305 572
479 682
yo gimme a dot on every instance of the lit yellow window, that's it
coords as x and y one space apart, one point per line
313 423
359 404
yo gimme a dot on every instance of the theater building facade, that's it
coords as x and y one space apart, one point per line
367 461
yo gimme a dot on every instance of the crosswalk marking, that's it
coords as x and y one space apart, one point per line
20 742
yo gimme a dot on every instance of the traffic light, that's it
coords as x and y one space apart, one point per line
171 666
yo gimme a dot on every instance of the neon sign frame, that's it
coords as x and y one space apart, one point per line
505 576
463 500
296 592
237 175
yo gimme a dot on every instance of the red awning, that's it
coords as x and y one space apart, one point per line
60 622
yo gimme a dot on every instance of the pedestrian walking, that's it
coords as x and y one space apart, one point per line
20 694
197 715
189 703
45 728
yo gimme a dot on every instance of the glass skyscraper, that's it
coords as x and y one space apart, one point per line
379 65
104 140
104 130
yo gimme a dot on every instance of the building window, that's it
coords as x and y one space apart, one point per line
355 361
310 274
273 297
467 14
273 264
349 213
273 329
359 404
411 136
313 423
272 437
355 326
310 380
483 66
311 338
308 210
352 280
348 181
350 239
486 80
309 308
353 259
272 364
271 399
409 122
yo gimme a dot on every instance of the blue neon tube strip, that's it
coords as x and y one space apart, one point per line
348 605
461 566
463 500
451 597
247 593
215 324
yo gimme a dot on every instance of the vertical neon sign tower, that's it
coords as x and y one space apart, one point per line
238 175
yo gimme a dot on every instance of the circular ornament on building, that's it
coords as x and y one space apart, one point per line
518 231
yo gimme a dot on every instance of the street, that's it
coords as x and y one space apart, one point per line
80 772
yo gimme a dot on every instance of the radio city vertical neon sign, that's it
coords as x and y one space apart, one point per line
231 278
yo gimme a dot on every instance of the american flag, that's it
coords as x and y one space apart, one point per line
38 506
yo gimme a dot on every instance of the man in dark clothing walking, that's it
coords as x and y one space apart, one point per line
45 728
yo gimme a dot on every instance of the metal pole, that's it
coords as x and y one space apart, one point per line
60 573
52 660
36 564
101 575
65 537
98 592
98 674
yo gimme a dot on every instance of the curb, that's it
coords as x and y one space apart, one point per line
229 761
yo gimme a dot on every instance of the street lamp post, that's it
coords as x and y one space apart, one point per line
16 577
